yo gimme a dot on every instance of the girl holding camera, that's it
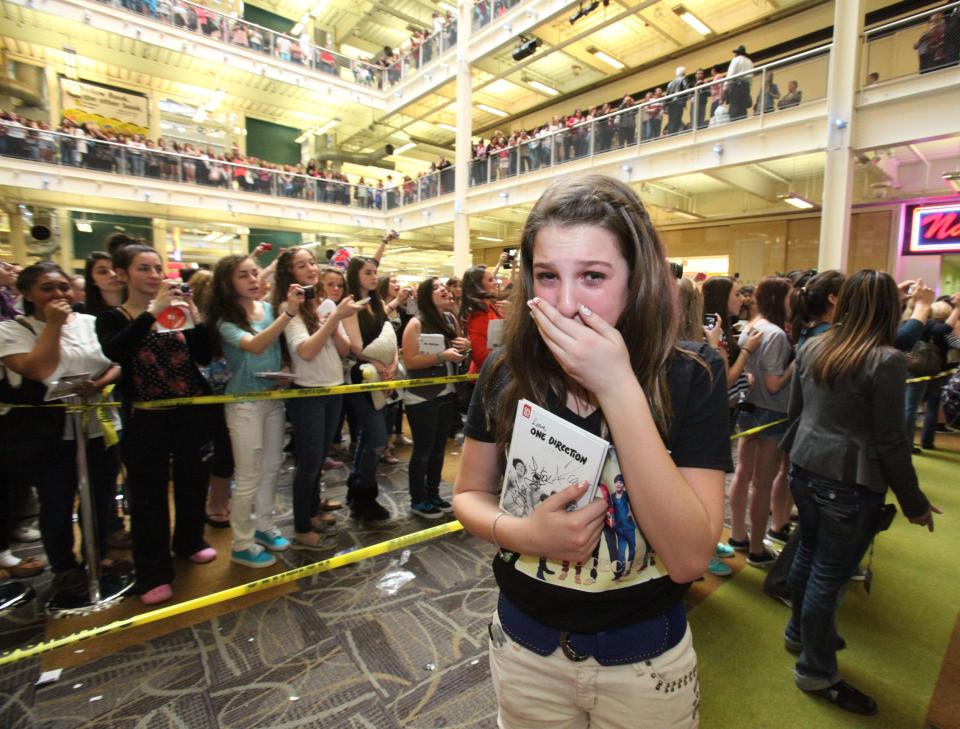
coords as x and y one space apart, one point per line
248 332
157 363
593 339
316 342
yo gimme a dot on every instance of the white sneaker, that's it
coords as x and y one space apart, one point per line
25 533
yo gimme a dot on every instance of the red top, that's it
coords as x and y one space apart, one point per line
477 324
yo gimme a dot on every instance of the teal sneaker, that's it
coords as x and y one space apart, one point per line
272 539
256 556
718 568
723 551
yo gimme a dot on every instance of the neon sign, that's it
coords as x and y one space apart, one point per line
933 229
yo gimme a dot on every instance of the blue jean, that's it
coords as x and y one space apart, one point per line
837 524
932 399
362 485
912 397
314 420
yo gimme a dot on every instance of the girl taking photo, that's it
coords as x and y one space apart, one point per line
247 331
431 409
316 342
592 339
847 445
157 364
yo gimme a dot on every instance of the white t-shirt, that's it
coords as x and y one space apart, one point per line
324 370
80 353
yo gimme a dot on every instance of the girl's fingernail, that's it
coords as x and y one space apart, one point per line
535 301
585 310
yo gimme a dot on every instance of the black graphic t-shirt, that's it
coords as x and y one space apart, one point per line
623 583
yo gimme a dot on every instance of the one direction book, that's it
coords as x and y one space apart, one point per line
548 454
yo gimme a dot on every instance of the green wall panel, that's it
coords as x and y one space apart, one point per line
272 142
280 238
104 225
267 19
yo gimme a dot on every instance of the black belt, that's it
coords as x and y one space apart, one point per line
638 642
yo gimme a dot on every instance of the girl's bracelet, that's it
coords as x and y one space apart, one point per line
493 530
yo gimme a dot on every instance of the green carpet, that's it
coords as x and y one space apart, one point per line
896 636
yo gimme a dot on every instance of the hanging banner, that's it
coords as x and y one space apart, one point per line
110 108
932 229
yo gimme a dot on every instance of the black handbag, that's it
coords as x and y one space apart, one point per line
924 359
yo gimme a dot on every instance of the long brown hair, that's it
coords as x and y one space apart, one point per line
716 298
284 278
771 297
223 304
648 322
865 319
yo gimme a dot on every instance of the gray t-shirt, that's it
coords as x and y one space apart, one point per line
771 358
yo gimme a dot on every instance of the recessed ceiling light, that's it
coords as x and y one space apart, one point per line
492 110
692 20
606 58
404 148
548 90
797 201
448 127
486 237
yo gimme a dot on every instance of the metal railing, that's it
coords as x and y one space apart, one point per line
152 162
189 16
920 43
710 104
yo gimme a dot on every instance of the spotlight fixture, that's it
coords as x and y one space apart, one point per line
606 58
527 47
952 179
692 20
584 10
797 201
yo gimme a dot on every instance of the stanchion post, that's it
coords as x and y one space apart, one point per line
88 515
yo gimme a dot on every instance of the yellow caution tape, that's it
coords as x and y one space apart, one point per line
945 373
304 392
266 583
268 394
754 431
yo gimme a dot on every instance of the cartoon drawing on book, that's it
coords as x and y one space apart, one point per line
622 557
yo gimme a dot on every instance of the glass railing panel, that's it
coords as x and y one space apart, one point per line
923 43
487 11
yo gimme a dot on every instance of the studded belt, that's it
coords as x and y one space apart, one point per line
638 642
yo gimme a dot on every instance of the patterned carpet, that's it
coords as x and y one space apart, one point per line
377 644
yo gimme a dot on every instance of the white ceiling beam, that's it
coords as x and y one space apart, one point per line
747 179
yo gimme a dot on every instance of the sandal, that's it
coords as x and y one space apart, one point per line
322 521
28 567
330 505
388 460
218 519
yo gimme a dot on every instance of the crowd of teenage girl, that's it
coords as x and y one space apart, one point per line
297 324
595 329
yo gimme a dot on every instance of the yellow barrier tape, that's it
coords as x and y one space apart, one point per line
945 373
754 431
293 575
267 394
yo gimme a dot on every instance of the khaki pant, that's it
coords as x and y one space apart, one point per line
553 692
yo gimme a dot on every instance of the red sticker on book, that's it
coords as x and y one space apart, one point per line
526 411
173 317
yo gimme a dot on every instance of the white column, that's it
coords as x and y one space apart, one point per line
838 165
462 259
65 228
159 226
